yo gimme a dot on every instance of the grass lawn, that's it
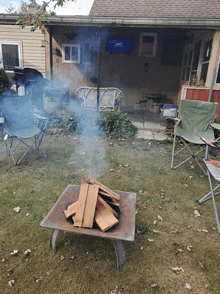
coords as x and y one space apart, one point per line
140 166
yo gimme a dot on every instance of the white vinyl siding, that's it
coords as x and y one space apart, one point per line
32 55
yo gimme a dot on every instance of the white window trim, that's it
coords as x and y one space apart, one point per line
63 53
19 43
154 46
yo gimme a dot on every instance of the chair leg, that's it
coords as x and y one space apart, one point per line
207 196
35 146
193 154
173 151
214 203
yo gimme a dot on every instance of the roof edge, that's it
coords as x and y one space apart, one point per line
123 21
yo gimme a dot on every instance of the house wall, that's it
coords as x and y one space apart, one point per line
33 54
203 36
127 72
203 95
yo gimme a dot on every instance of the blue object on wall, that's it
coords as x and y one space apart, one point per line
118 44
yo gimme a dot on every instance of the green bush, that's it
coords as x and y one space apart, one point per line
118 125
114 124
65 121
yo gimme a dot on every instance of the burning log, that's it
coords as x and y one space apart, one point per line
91 206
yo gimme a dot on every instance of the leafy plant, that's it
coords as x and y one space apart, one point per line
63 120
118 125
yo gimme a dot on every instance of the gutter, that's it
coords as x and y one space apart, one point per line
128 21
124 21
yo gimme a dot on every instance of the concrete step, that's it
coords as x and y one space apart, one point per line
152 135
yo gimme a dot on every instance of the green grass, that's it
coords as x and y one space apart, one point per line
140 166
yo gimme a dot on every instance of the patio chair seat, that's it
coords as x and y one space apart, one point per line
23 133
194 121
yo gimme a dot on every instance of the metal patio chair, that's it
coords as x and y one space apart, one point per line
213 171
109 98
22 127
195 121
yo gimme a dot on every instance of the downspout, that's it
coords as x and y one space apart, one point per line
51 55
99 62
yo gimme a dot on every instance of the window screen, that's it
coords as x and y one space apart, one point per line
10 56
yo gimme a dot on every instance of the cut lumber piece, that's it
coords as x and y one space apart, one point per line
104 193
105 218
78 218
71 209
90 206
113 195
114 206
100 202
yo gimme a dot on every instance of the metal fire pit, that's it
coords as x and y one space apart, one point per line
123 231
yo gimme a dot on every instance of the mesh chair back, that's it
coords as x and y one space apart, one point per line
17 113
196 117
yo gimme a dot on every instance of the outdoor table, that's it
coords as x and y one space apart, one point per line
123 231
158 99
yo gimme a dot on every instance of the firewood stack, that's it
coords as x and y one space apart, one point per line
96 202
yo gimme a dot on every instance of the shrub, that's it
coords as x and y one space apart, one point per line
118 125
114 124
66 121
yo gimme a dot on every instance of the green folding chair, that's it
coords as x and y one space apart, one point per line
195 120
213 171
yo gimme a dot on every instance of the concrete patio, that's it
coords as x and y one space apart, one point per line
148 124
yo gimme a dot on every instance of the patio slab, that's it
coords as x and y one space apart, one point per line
152 135
148 125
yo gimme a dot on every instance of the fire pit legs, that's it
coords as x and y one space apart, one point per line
53 239
119 245
120 251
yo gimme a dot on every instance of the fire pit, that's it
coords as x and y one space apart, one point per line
123 231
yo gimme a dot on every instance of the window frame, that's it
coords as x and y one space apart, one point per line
153 54
20 59
71 46
204 61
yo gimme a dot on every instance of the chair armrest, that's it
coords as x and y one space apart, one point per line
207 142
215 126
42 118
39 116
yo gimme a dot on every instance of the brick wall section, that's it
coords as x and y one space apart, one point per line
157 8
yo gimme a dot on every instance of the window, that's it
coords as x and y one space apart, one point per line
205 62
71 53
184 65
10 55
148 44
191 62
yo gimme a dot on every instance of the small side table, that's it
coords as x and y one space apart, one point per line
123 231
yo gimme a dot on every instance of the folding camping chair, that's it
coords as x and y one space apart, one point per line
22 127
213 171
194 121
